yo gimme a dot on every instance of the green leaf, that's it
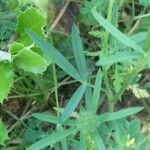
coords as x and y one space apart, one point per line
78 52
98 141
122 57
32 19
6 79
15 48
96 92
119 114
83 141
147 41
134 127
115 32
52 119
50 52
30 61
88 96
47 118
144 2
51 139
73 102
3 133
60 128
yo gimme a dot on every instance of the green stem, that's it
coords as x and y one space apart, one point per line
55 80
109 17
133 9
56 86
106 45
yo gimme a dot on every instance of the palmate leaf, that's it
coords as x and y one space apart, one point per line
119 114
30 18
6 79
30 61
73 102
78 52
115 32
51 139
52 53
3 133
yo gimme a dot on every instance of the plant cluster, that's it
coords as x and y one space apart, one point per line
31 56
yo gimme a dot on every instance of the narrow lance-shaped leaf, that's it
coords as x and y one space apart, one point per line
78 52
96 92
52 53
47 118
60 128
98 141
73 102
115 32
51 139
83 141
119 114
147 42
52 119
88 96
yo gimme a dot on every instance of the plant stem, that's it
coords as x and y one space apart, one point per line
56 86
106 45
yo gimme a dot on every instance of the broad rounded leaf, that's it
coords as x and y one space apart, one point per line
15 48
6 79
30 61
3 133
30 19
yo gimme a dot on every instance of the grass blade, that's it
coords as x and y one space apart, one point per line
73 102
115 32
51 139
78 52
96 92
52 53
119 114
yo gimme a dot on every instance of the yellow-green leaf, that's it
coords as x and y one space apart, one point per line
30 61
6 79
31 18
